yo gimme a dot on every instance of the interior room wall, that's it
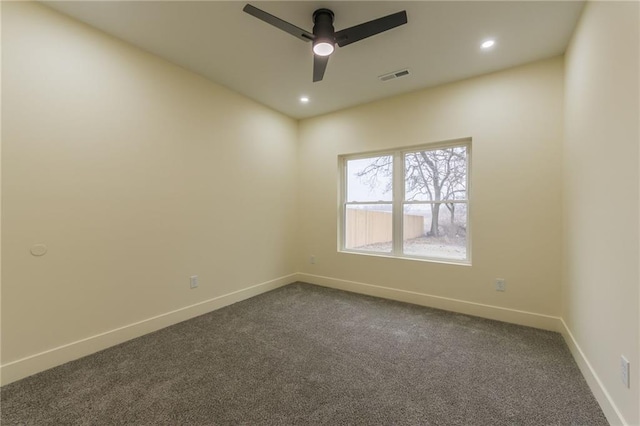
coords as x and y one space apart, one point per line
601 186
514 118
136 174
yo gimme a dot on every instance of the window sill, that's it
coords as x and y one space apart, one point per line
407 257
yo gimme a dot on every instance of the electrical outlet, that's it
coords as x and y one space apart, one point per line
501 284
193 281
624 370
312 259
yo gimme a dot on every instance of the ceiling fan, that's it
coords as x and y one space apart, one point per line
325 37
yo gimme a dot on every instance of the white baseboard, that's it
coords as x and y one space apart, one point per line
545 322
609 408
33 364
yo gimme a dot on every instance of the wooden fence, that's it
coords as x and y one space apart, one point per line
364 227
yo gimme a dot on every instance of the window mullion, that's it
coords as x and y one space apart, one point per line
461 201
367 203
398 198
342 190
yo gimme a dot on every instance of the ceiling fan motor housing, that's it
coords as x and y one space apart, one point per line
323 26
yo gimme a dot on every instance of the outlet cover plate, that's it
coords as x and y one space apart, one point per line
624 370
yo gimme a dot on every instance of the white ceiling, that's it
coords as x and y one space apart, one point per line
439 44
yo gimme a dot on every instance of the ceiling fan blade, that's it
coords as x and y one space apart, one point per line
319 66
278 23
368 29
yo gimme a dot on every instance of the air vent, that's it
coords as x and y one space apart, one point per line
395 74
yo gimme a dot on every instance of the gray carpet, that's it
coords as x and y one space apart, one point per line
304 354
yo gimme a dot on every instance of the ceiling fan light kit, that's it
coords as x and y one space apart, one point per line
324 37
322 48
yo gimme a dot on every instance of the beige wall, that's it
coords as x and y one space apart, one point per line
136 174
515 121
600 274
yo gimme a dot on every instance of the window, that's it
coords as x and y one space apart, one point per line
410 203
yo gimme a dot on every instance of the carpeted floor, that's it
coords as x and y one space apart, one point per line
304 354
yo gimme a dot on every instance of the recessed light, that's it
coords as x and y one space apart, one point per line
487 44
304 99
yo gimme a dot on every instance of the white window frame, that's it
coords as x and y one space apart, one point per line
398 200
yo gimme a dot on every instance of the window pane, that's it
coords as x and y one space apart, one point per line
368 227
435 175
435 230
369 179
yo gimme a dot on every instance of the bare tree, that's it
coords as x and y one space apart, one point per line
431 176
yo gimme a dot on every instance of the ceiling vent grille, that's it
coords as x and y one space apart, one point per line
394 75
